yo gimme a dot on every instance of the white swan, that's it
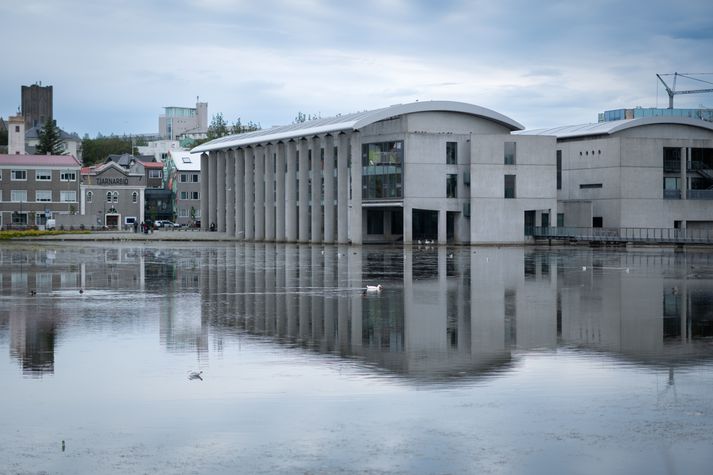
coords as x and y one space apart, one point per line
374 288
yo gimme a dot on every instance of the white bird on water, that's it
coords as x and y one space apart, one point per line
374 288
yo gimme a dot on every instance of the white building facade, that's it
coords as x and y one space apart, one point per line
654 172
427 171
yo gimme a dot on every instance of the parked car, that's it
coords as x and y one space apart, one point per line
164 223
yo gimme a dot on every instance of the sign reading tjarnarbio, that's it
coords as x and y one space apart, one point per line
112 181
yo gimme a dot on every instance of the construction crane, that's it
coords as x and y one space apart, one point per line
672 90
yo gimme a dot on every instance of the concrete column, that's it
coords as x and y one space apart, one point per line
205 198
291 192
316 198
356 212
230 192
280 193
303 202
212 187
259 193
329 185
342 189
220 213
408 225
442 226
239 193
270 192
249 201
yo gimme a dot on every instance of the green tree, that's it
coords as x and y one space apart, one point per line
50 139
3 137
218 127
96 150
240 128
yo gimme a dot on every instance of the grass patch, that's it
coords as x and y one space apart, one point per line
5 235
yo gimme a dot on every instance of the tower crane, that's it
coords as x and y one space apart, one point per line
671 91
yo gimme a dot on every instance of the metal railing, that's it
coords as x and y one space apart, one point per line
651 235
699 194
672 194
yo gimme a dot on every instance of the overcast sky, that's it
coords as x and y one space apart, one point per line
115 64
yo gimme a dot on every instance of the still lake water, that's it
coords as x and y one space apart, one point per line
481 360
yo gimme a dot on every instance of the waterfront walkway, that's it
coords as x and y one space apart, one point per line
186 235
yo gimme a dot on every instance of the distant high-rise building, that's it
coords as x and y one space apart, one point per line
36 105
184 121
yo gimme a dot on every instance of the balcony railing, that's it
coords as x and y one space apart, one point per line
672 194
700 194
651 235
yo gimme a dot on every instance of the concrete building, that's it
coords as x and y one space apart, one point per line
177 122
34 188
437 170
185 183
112 196
36 105
16 135
654 172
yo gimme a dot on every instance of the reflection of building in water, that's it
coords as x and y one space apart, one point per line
438 314
607 304
32 341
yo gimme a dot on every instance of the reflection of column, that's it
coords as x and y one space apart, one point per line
259 269
316 198
356 311
230 193
240 193
220 218
259 193
280 193
280 288
344 298
329 304
317 300
303 221
329 183
487 317
442 226
205 198
249 196
239 288
212 187
270 281
250 287
408 224
291 192
342 189
304 298
356 212
292 286
270 192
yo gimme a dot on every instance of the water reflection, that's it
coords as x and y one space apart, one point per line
444 314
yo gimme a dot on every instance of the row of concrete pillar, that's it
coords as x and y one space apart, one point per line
261 192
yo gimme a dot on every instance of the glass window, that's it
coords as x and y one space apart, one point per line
115 197
43 195
195 195
381 170
184 195
18 196
155 173
108 196
451 153
559 169
509 186
182 213
184 177
510 153
560 220
43 175
194 178
68 196
452 186
18 175
134 197
90 195
68 176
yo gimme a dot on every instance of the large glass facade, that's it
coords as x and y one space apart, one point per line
381 170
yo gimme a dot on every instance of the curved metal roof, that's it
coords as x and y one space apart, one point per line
609 128
354 121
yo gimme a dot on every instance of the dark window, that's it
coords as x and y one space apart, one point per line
452 186
560 220
374 221
510 153
545 218
589 185
597 222
451 153
671 160
559 169
509 186
17 128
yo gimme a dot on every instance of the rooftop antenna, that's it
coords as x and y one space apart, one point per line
671 91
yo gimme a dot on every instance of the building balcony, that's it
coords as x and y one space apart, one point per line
700 194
